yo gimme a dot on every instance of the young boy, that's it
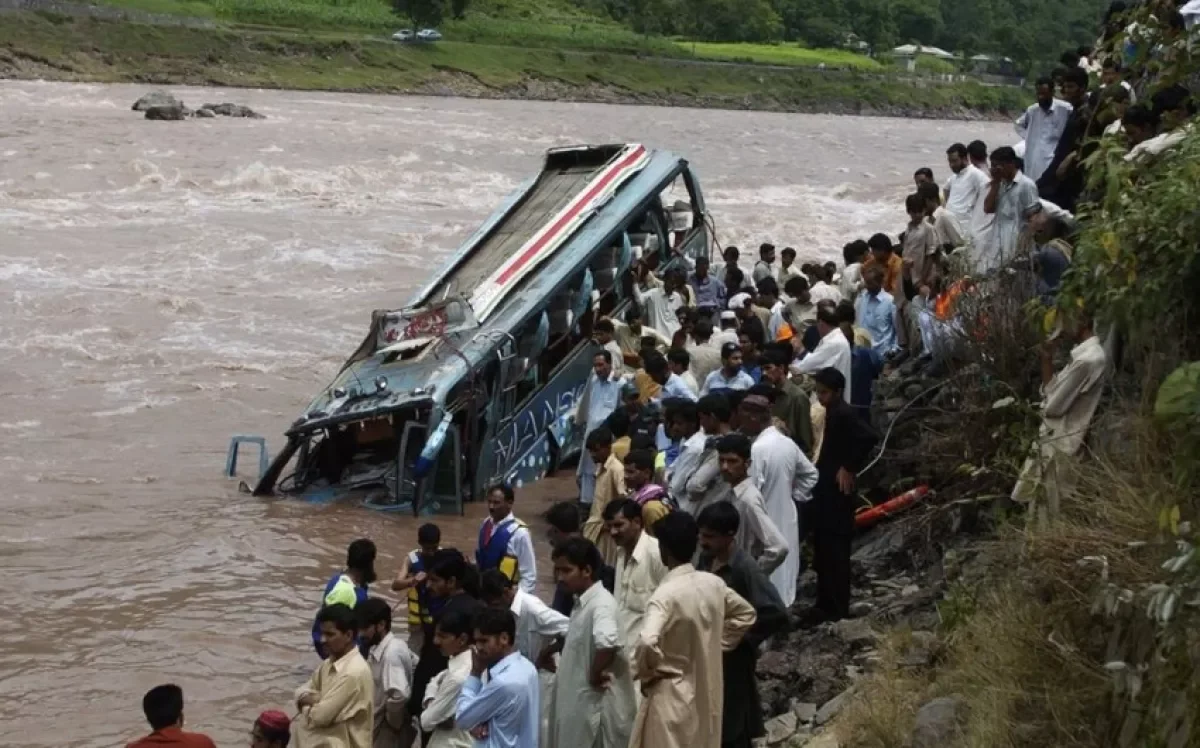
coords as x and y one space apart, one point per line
758 535
787 266
639 480
853 254
920 246
411 577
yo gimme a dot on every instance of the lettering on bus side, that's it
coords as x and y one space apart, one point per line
533 421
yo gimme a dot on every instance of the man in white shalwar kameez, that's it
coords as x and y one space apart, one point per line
692 618
785 477
1040 126
1070 400
594 699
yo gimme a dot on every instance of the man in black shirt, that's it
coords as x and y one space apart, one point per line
742 720
1064 190
845 448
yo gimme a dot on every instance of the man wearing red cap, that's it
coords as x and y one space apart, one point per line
272 729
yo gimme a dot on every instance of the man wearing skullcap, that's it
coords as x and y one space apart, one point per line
784 476
729 329
272 729
847 445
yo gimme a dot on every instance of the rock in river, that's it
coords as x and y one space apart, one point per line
176 111
233 110
156 99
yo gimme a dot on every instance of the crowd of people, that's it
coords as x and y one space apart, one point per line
725 424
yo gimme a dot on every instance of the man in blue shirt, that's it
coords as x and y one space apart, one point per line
506 712
876 311
601 397
730 376
710 292
672 384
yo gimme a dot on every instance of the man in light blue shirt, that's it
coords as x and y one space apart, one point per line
506 712
730 376
876 311
710 292
601 397
672 384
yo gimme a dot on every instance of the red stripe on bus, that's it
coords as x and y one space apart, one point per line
528 254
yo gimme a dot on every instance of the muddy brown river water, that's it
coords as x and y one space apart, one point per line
164 285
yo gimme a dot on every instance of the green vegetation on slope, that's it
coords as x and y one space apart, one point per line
796 32
1085 630
90 49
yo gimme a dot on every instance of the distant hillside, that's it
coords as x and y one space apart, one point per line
1033 34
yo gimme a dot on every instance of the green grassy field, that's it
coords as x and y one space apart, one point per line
553 24
545 23
781 54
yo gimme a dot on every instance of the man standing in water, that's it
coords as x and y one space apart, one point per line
337 703
691 619
163 707
348 587
504 540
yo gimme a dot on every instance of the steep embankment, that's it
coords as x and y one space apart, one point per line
58 47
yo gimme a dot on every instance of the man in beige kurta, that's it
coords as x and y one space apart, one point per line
610 484
638 572
337 705
690 620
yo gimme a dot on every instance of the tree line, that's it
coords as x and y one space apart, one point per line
1034 34
1028 31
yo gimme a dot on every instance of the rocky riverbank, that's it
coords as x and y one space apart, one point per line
50 46
903 571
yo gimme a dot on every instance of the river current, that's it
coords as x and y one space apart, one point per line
164 285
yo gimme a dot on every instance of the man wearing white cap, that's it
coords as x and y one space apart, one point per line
748 314
729 328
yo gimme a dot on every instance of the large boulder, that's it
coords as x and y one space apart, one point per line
939 723
233 110
156 99
173 112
